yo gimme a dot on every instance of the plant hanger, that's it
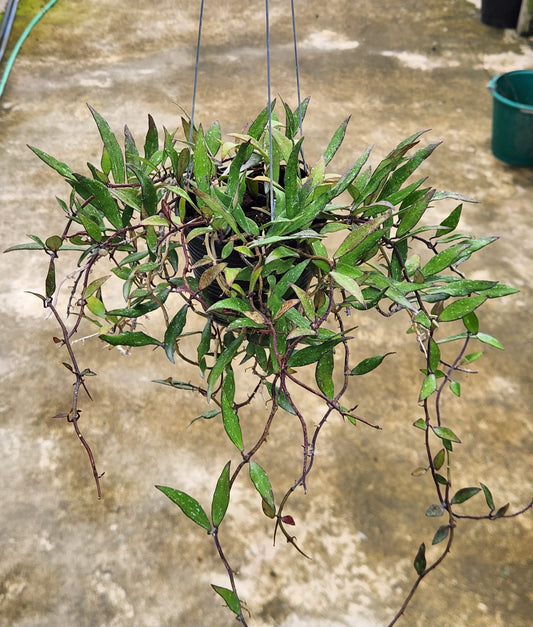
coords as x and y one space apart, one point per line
272 199
190 232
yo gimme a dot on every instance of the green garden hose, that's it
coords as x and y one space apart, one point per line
18 45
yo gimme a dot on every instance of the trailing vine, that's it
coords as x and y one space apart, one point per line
186 230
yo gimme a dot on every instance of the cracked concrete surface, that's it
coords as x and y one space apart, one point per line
132 559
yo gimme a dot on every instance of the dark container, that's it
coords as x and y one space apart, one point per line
500 13
212 293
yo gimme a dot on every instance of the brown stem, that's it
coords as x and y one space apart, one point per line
74 413
408 598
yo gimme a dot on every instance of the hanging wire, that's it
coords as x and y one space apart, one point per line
196 65
6 25
272 199
297 67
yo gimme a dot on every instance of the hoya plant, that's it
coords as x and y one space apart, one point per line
266 263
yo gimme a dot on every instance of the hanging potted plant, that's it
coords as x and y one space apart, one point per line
267 263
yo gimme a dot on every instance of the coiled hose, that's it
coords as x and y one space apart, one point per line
5 29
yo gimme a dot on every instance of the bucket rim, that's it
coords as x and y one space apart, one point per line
512 103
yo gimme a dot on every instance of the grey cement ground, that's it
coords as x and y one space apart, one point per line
132 559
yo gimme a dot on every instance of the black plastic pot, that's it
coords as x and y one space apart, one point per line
500 13
213 293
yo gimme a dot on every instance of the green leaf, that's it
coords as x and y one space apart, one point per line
203 346
130 147
174 383
189 506
54 243
173 331
257 127
471 322
488 339
103 200
429 386
223 360
468 359
27 246
231 421
412 216
291 181
441 534
58 166
488 497
443 259
245 323
231 599
438 461
151 143
155 221
482 337
130 338
148 191
203 166
324 374
112 146
502 511
462 287
434 355
464 494
450 223
369 364
446 434
95 285
449 447
336 141
501 290
455 387
392 290
234 304
291 276
262 483
348 284
206 415
232 184
420 424
50 283
220 501
358 235
434 511
96 306
91 227
213 138
228 386
311 354
461 308
281 398
306 300
420 559
274 239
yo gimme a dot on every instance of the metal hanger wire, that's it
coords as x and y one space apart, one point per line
269 88
196 66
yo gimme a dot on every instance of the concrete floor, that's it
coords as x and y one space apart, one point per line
132 559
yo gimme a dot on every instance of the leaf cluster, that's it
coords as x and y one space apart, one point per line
268 253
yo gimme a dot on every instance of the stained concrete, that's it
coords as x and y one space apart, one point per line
132 559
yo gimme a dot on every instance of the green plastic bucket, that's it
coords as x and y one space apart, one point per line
512 117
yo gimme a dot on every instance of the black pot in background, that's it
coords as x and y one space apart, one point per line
500 13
